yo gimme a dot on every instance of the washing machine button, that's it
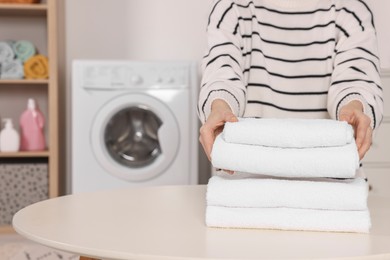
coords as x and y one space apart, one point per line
136 80
171 80
159 80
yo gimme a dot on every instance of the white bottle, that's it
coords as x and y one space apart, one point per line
9 137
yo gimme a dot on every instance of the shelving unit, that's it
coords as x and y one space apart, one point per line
23 9
25 154
37 23
24 82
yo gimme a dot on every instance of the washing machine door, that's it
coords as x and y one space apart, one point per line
135 137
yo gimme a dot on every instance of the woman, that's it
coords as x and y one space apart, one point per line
291 58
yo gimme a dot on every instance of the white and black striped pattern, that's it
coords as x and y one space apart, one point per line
291 58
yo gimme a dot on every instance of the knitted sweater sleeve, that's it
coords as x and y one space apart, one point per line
356 65
222 66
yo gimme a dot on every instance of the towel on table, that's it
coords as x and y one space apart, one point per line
266 192
6 52
335 162
36 67
289 219
12 70
292 133
24 50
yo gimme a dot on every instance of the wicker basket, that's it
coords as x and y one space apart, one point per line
20 1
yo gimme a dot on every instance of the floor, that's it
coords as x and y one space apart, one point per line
15 247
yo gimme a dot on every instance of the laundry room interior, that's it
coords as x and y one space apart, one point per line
108 99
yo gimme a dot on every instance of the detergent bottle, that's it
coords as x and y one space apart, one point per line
31 125
9 137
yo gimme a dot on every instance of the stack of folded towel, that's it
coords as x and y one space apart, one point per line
18 60
299 174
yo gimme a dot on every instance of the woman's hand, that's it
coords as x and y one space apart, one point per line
220 114
361 123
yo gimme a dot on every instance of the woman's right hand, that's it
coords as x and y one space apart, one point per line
220 114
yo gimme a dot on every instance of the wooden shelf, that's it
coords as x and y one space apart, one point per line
23 9
6 229
38 24
24 82
24 154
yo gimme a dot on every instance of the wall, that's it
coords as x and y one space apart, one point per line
155 30
141 30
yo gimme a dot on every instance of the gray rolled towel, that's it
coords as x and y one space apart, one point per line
12 70
6 52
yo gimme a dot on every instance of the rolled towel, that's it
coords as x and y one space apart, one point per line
289 219
12 70
24 50
265 192
293 133
6 52
37 67
334 162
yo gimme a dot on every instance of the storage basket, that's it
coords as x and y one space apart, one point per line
21 184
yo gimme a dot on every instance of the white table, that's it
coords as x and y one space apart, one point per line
168 223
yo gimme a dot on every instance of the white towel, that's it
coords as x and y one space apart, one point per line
289 219
293 133
266 192
336 162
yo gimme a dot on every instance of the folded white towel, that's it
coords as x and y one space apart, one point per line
336 162
298 133
289 219
266 192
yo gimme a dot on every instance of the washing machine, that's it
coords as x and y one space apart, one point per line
133 124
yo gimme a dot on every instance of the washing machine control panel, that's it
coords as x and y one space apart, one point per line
123 76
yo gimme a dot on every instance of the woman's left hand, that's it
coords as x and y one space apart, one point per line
361 123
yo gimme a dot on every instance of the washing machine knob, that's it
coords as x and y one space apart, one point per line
159 80
136 80
171 80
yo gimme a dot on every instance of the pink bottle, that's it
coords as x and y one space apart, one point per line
31 126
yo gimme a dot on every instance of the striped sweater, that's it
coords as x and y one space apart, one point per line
291 58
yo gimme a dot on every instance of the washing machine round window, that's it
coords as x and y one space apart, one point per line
135 137
131 137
